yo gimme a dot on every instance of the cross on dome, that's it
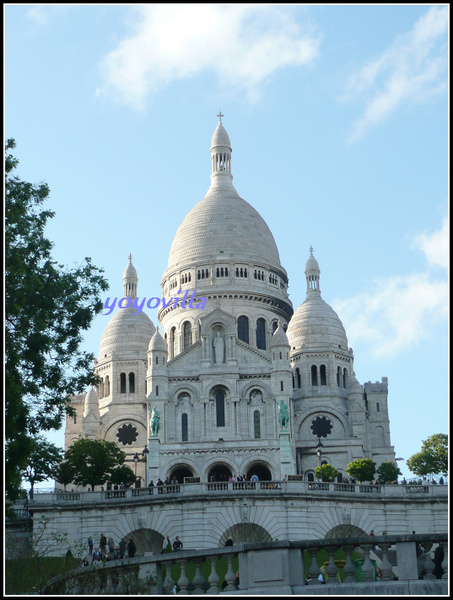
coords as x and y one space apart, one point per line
220 115
130 257
311 250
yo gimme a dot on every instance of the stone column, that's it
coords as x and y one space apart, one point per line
153 459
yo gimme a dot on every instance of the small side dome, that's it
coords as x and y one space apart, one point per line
127 334
315 323
157 342
279 338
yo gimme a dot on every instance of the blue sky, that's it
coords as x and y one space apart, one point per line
338 119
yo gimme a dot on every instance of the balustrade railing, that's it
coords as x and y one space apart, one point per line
334 562
197 488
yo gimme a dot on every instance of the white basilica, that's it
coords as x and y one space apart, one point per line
244 385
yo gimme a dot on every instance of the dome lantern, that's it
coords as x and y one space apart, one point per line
130 280
220 151
312 273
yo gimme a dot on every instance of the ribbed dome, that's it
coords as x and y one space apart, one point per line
316 324
220 137
223 223
127 334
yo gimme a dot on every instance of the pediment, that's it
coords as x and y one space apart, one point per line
217 317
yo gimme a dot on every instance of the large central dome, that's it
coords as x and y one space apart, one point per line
223 224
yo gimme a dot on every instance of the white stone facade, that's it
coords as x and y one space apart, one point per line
223 365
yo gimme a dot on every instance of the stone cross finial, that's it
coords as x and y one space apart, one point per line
130 257
311 250
219 114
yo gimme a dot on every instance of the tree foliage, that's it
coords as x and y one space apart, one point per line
388 471
42 462
122 474
327 472
47 307
93 461
363 469
432 458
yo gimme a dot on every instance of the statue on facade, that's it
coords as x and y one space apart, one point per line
219 348
283 416
154 422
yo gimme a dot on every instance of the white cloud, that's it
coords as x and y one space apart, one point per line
412 70
242 45
435 246
400 311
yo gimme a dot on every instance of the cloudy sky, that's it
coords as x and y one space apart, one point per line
338 119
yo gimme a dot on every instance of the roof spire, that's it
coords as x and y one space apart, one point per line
312 272
130 280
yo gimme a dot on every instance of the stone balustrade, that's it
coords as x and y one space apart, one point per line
402 564
241 487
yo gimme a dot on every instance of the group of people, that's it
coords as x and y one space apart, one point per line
107 550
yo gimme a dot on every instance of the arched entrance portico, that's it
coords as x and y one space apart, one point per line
219 472
146 540
244 532
345 531
259 469
179 472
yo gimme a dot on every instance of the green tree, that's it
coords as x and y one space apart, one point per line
93 461
64 473
432 458
363 469
122 474
47 307
42 462
388 471
327 472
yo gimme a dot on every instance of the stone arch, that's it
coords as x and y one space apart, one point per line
146 540
242 533
179 471
219 471
345 531
260 468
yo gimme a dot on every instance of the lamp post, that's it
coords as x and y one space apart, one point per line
136 459
319 455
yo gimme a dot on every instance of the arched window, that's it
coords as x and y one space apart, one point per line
345 378
314 375
107 386
257 424
261 334
157 360
172 342
243 329
101 389
377 407
184 428
157 390
274 326
281 386
122 383
338 376
220 409
131 383
298 378
322 372
187 334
